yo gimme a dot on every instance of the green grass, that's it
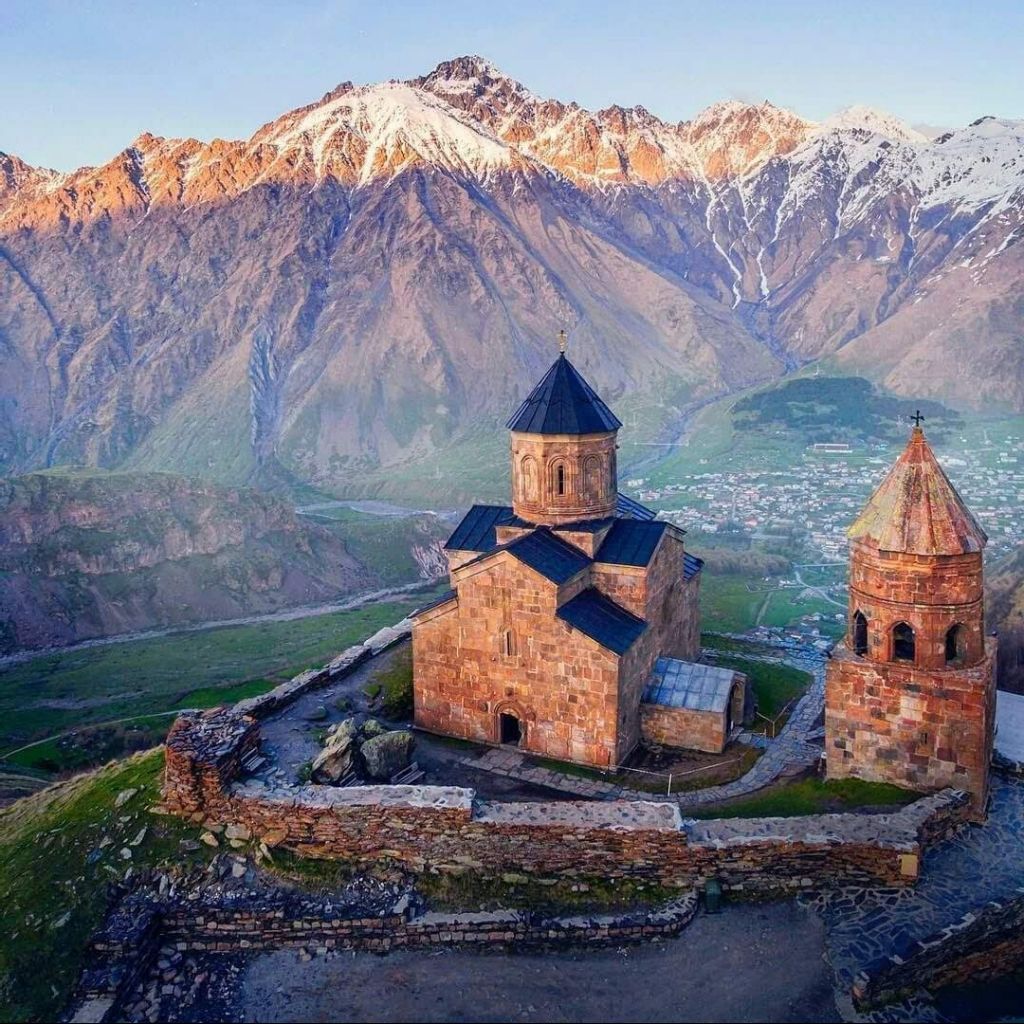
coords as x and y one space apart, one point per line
184 670
394 680
813 796
51 897
384 543
774 685
726 604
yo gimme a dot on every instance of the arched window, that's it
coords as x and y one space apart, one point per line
955 643
903 642
860 634
560 479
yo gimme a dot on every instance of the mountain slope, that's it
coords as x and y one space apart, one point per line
88 555
377 277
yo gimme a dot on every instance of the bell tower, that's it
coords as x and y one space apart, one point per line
910 695
563 450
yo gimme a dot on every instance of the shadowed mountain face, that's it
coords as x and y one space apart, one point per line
376 277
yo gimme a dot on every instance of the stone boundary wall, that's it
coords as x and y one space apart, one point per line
987 943
125 949
447 829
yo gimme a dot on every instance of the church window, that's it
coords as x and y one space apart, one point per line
508 643
955 643
560 479
903 642
860 634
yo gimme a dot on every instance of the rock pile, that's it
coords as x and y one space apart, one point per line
352 751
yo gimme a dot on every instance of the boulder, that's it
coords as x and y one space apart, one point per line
337 758
371 728
387 754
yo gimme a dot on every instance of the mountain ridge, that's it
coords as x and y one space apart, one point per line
333 293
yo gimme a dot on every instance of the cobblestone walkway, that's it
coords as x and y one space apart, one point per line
982 863
792 750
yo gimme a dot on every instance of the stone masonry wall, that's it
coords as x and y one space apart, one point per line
919 728
589 467
681 727
446 829
562 685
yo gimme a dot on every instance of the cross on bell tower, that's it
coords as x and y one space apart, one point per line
917 418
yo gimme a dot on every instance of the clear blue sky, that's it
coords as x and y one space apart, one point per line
82 78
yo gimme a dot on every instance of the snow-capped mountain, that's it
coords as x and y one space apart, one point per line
365 279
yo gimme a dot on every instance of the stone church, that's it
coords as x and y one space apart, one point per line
910 696
572 625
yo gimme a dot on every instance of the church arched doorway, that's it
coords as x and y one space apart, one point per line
510 729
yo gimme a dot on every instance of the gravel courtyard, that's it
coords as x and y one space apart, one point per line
750 963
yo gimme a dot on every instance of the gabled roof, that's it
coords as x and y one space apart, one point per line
686 684
691 565
476 531
916 510
548 555
447 596
563 403
602 620
630 542
627 508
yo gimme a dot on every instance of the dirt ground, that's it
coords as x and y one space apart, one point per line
749 963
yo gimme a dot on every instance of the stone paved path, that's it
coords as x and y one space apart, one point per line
792 750
982 863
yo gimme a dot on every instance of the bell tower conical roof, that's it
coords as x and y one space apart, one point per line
563 403
916 510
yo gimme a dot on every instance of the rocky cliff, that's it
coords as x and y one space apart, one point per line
374 279
86 555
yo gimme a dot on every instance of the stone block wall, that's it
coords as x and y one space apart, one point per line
681 727
918 728
560 684
448 830
930 593
589 466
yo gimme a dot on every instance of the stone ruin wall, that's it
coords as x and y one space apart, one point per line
428 828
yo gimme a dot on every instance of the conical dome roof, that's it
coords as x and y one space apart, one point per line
563 403
916 510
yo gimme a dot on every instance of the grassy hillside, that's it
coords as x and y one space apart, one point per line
59 851
88 692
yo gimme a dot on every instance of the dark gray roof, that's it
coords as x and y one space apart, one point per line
549 555
691 565
602 620
630 542
686 684
476 531
563 403
583 525
627 508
